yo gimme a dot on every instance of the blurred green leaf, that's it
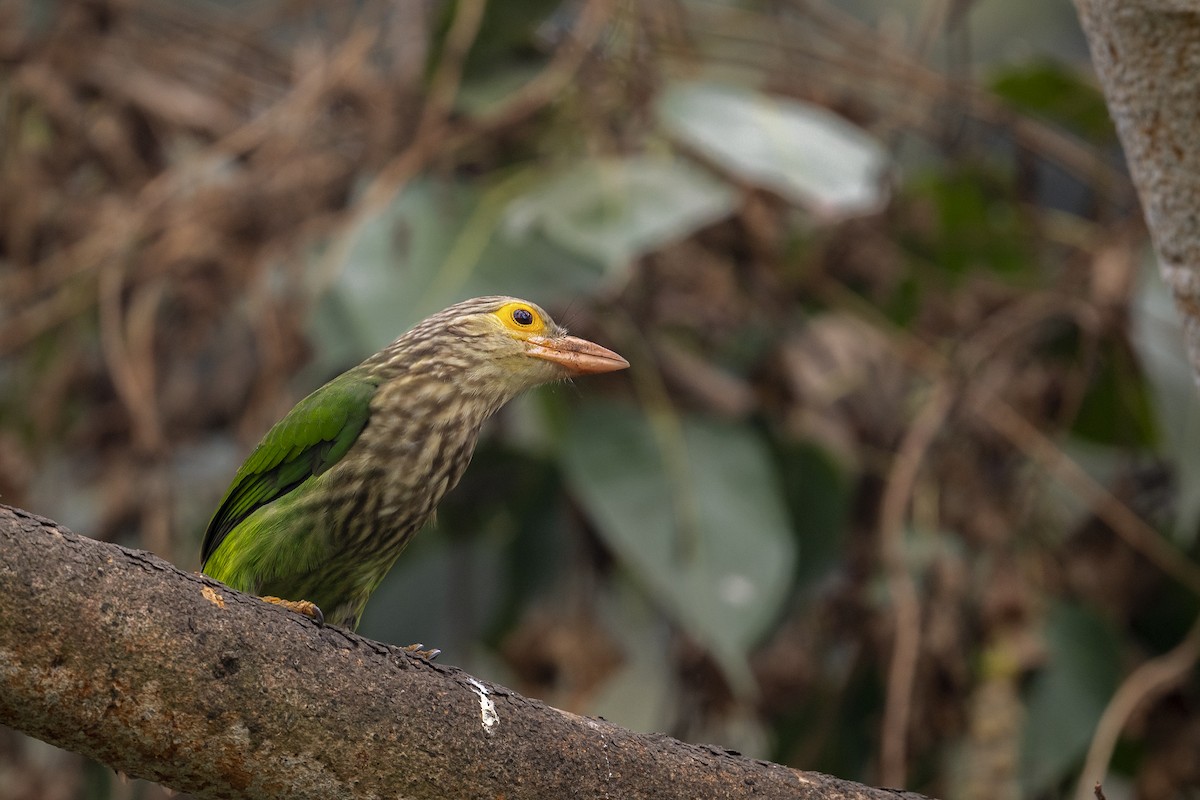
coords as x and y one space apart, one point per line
1117 409
444 591
805 153
692 507
818 497
491 89
644 690
1059 93
1068 696
507 34
976 224
613 211
514 497
437 243
1157 338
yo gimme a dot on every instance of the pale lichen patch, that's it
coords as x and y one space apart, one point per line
487 709
211 595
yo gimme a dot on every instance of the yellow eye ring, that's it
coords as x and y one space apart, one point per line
522 319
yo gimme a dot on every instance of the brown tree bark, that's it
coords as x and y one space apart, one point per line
176 678
1147 55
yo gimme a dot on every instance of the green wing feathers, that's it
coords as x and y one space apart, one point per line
309 440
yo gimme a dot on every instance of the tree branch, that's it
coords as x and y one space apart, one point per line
176 678
1146 53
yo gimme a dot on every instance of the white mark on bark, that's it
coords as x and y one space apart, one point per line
604 746
487 709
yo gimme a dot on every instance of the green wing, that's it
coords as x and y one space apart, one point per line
309 440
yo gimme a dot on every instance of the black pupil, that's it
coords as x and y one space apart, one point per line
523 316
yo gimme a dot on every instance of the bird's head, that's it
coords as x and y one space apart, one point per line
499 344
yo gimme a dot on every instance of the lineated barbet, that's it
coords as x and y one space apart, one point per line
323 506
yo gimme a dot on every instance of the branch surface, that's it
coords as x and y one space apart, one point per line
1147 55
176 678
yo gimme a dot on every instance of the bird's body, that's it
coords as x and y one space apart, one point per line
327 501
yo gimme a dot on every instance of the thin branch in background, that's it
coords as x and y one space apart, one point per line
906 603
72 269
132 376
435 137
1039 448
1137 533
847 53
546 86
1149 681
428 141
666 425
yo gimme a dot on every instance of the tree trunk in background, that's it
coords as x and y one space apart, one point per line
1147 55
173 677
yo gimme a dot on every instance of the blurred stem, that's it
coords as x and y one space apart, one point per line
1149 681
436 138
475 235
1026 438
127 334
443 87
132 377
429 139
1040 449
906 602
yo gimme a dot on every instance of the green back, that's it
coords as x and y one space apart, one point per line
309 440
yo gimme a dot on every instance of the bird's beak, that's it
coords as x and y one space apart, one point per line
579 356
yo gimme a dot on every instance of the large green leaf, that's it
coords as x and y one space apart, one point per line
801 151
614 210
440 241
692 507
1068 696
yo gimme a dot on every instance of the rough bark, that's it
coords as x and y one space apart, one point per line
1147 55
176 678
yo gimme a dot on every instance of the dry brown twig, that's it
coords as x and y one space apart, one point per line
849 54
983 400
427 140
906 600
436 135
1027 439
1150 680
66 276
1042 451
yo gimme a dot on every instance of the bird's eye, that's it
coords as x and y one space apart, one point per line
521 319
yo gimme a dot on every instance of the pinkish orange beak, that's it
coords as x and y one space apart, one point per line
579 356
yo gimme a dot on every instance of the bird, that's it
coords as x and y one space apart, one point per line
321 509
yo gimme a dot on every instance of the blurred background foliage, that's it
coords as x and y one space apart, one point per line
903 483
